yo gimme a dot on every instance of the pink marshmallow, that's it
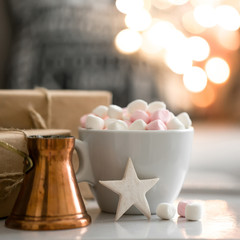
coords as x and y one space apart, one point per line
128 122
140 114
181 207
162 114
156 125
83 120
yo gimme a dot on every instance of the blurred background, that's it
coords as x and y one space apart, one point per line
182 52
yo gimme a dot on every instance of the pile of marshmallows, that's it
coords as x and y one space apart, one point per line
190 210
138 115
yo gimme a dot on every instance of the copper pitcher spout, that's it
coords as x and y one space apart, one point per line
49 197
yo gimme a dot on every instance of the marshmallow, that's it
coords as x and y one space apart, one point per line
137 105
108 121
125 114
100 111
156 125
94 122
166 211
154 106
162 114
140 114
181 208
115 111
117 125
83 120
175 123
138 125
185 119
193 211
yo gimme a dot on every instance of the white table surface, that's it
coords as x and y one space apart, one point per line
221 220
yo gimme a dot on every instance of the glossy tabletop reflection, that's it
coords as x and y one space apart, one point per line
221 220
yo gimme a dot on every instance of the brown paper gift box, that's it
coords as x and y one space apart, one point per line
11 164
60 109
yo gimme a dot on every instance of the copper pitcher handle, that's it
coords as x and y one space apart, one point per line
84 172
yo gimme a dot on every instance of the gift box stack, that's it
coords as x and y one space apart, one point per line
56 111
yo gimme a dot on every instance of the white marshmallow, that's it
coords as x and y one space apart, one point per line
138 125
193 211
185 119
100 111
154 106
166 210
175 123
117 125
108 121
94 122
137 105
115 111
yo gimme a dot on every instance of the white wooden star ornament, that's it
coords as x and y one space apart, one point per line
131 191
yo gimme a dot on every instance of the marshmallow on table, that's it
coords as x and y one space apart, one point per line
156 125
181 208
100 111
193 211
162 114
115 111
117 125
154 106
138 125
175 123
185 119
94 122
140 114
166 210
137 105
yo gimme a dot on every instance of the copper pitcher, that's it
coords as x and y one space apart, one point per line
49 197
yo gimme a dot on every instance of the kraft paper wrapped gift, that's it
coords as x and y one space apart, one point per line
42 108
11 164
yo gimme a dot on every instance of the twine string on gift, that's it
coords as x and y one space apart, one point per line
9 181
38 120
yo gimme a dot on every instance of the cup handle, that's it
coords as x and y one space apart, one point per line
84 172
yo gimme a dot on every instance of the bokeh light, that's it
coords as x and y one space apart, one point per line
128 6
195 79
198 47
178 2
161 4
190 23
205 15
205 98
138 20
128 41
160 33
227 17
217 70
230 40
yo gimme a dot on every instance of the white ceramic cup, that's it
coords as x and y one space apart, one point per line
155 154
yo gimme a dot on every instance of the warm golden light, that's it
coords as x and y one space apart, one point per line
127 6
198 47
128 41
205 98
190 23
205 15
195 79
178 61
229 39
161 4
227 17
138 20
160 34
178 2
217 70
